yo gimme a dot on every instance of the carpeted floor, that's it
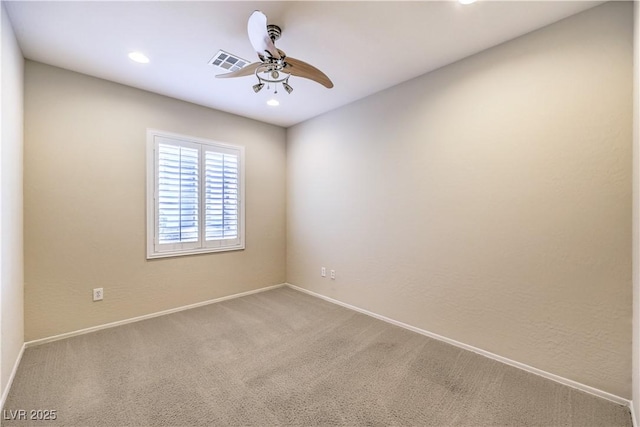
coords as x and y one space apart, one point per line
284 358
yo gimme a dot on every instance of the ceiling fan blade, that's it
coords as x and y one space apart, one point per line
259 36
299 68
247 70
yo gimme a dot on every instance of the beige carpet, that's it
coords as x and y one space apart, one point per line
285 358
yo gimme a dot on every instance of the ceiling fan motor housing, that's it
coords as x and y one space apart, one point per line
274 32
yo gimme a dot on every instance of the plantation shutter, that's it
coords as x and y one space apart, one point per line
177 195
197 188
222 211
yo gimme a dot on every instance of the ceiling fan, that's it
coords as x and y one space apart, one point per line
274 66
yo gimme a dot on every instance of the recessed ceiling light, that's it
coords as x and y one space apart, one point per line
138 57
466 1
273 102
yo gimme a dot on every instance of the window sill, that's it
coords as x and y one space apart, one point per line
171 254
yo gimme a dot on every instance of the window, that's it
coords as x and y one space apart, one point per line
195 195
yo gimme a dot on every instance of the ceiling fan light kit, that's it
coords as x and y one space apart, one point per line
274 66
258 87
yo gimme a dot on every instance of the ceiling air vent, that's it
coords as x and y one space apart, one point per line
227 61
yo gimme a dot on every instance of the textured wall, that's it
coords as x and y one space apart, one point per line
85 222
11 246
636 210
488 201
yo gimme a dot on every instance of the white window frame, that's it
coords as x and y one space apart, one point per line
202 246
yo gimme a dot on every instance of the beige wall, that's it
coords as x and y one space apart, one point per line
636 211
85 142
488 201
11 246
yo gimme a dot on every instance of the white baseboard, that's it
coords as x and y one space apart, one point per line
5 392
582 387
634 420
146 316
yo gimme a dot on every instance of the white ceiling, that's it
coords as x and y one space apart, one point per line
363 46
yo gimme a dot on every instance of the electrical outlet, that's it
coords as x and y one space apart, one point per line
333 275
98 294
323 272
